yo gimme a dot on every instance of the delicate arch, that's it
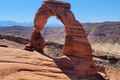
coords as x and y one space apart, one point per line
76 42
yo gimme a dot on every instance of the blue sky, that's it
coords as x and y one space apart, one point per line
84 10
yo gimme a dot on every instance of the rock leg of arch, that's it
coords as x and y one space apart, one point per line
76 47
37 41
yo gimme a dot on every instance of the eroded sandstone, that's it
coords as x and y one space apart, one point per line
16 64
76 47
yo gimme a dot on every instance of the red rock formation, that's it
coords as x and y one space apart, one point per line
76 47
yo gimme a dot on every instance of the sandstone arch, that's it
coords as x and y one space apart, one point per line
76 45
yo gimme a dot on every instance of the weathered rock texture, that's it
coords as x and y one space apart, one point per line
16 64
76 47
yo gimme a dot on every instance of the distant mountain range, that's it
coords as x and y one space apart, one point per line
97 32
13 23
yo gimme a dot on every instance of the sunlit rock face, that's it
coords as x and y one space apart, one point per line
76 46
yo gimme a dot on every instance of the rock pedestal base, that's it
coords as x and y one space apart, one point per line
80 67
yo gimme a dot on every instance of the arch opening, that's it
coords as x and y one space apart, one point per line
54 35
54 30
